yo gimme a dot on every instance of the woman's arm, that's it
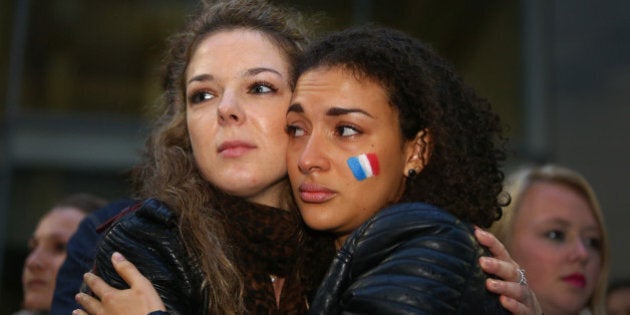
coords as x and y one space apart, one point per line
408 259
517 298
150 239
141 298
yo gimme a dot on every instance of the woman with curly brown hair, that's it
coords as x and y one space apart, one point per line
391 153
217 231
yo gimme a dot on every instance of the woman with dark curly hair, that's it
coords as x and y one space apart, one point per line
391 153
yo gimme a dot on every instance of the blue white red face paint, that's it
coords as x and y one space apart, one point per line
364 166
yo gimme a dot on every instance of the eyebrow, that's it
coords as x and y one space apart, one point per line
255 71
201 77
564 223
248 72
296 108
335 111
338 111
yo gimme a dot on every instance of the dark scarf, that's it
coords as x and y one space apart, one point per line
265 241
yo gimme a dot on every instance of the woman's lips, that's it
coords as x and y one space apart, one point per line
233 149
314 193
34 283
576 279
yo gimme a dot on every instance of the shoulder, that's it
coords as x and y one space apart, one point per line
406 222
148 236
149 213
141 227
416 239
414 250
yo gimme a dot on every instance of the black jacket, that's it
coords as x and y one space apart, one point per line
410 258
149 237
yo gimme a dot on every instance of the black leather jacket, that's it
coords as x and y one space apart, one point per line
149 238
410 258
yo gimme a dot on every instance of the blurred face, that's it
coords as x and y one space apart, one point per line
333 117
48 251
618 302
237 91
557 241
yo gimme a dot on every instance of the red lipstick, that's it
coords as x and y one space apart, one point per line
576 280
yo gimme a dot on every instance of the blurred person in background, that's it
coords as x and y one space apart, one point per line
47 248
79 259
554 228
618 297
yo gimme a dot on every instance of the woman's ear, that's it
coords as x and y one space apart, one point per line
418 152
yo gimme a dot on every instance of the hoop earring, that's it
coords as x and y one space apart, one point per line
411 173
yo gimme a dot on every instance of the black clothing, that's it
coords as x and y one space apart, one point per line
263 241
410 258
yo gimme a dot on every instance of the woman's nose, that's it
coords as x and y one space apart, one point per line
36 259
313 157
579 250
230 110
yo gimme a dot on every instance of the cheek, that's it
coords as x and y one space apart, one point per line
271 122
198 132
595 266
367 204
57 261
391 179
201 126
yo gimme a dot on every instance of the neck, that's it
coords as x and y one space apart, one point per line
274 196
340 240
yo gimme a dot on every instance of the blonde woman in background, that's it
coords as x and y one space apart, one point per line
554 229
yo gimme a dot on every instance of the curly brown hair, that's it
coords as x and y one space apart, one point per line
462 174
168 170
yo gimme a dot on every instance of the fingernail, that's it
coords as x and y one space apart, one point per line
489 264
482 231
485 261
118 256
493 283
87 275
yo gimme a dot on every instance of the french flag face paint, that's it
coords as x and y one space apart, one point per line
364 166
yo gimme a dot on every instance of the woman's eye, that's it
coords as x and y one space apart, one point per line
261 88
593 242
347 131
295 131
555 235
59 247
199 97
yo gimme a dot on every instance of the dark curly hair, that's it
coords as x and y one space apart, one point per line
462 174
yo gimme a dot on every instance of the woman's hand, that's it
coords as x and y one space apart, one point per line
141 298
516 296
